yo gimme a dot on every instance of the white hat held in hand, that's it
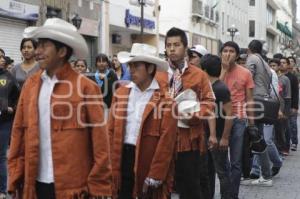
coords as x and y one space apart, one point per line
143 53
187 103
61 31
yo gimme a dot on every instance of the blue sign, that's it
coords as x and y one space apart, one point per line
19 10
134 20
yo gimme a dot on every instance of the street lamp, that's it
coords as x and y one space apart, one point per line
76 21
232 31
142 3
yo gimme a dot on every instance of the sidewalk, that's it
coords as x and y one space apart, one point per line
286 185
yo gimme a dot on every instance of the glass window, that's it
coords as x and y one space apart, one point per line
252 2
251 28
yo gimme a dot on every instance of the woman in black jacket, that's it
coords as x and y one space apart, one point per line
9 93
105 77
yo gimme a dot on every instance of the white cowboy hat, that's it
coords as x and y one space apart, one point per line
61 31
144 53
199 49
187 103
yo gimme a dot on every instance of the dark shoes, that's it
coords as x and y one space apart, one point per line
275 171
294 147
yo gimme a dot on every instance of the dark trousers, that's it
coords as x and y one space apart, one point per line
280 133
220 165
44 190
207 176
127 172
187 175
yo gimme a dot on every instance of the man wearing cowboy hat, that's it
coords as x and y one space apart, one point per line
142 129
180 77
59 145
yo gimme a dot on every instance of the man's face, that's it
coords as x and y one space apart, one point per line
139 72
175 49
194 59
292 63
228 55
284 66
47 55
116 62
274 66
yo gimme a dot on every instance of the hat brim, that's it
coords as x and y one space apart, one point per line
126 57
72 39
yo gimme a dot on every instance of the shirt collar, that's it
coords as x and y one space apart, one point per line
45 76
153 86
171 71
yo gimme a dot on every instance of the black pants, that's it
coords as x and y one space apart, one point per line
187 175
44 190
127 172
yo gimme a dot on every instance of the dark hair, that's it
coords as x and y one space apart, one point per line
275 60
278 56
287 60
233 45
255 46
174 32
211 64
102 57
83 60
2 51
293 58
8 60
34 43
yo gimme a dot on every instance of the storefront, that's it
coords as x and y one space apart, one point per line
14 18
125 25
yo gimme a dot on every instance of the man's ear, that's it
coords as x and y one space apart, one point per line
151 68
62 52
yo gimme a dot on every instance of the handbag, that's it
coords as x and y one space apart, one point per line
266 107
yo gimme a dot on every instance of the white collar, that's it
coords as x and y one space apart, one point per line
45 76
153 86
170 70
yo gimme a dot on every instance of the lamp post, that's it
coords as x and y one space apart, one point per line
142 3
76 21
232 31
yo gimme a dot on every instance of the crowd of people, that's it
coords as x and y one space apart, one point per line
173 124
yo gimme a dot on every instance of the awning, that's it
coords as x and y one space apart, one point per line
283 28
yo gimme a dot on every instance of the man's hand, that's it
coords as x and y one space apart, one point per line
10 110
280 115
212 143
223 145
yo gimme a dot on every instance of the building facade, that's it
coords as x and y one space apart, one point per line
198 18
15 16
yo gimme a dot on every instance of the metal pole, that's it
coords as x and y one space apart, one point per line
142 20
232 36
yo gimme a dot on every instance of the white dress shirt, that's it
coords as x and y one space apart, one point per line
136 105
45 169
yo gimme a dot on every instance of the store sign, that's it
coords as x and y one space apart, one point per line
134 20
19 10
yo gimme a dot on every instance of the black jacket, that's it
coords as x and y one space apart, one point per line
294 90
9 94
108 87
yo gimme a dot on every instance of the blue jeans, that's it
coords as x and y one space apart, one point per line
236 151
293 128
5 128
263 158
272 151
